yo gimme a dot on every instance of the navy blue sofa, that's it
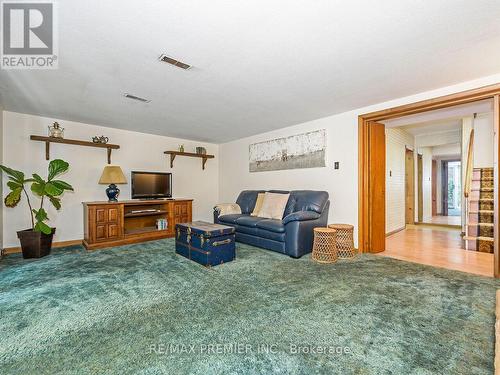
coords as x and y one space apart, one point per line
293 235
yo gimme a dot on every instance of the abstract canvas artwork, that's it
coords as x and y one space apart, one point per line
307 150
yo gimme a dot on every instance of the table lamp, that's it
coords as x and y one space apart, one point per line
112 175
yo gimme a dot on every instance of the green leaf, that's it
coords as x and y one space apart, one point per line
51 189
40 215
56 202
40 226
13 198
62 185
13 185
56 167
38 179
17 176
38 189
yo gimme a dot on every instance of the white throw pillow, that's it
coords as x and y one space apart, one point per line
258 204
274 205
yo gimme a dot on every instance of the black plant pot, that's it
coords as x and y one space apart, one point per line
35 244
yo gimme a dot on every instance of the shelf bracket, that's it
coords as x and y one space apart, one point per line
203 162
47 150
172 158
109 155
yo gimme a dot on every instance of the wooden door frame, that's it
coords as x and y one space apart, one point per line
420 187
410 192
365 200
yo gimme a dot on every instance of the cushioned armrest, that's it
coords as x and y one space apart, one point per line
301 216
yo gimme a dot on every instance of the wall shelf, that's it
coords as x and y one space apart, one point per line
49 140
173 154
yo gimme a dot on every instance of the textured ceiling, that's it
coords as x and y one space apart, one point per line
257 65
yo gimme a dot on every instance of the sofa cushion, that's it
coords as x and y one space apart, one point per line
248 221
247 230
230 218
272 225
306 200
246 200
267 234
300 216
274 205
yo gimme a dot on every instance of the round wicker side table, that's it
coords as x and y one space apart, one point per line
345 240
324 246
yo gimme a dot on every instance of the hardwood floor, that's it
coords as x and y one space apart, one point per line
445 220
439 248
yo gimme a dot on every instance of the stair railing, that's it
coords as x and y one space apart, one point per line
469 171
469 167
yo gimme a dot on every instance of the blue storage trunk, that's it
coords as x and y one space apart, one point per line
205 243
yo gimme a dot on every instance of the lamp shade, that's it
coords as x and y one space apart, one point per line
112 174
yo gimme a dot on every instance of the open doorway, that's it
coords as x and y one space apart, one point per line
428 215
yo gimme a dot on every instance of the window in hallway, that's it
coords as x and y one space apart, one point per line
454 187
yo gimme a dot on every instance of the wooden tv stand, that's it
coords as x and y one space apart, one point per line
110 224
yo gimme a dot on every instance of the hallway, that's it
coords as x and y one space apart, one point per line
437 247
445 220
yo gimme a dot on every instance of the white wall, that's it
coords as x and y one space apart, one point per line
444 151
342 146
426 153
396 142
137 151
483 141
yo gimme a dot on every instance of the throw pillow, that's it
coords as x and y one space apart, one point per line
258 204
274 205
228 209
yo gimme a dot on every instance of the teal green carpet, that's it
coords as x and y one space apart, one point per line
141 309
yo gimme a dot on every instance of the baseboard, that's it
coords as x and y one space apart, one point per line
15 250
395 231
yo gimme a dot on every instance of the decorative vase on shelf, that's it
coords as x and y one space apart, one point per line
55 131
102 139
181 148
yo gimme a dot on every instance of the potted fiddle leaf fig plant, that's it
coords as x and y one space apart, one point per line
37 241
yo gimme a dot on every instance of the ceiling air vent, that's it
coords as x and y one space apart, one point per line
133 97
174 62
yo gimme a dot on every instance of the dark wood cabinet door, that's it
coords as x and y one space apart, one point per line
177 210
184 209
113 215
101 232
101 215
113 231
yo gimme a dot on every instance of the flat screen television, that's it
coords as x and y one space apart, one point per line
151 185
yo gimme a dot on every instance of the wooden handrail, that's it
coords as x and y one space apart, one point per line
470 166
